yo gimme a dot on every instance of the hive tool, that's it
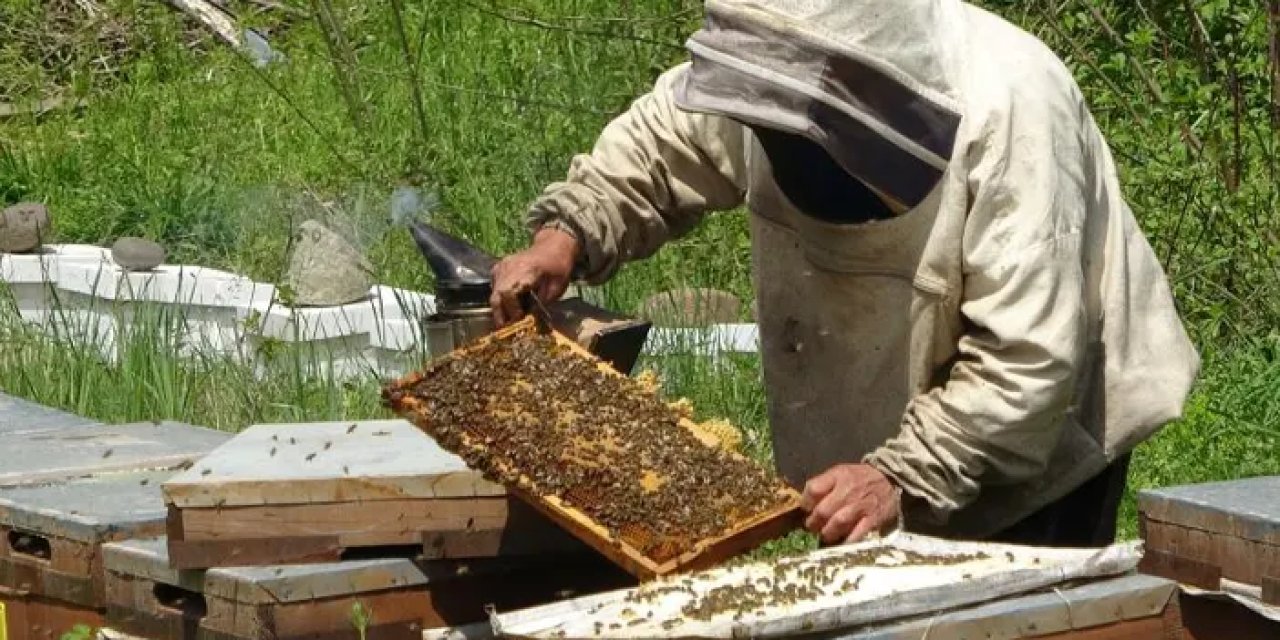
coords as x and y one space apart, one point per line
462 313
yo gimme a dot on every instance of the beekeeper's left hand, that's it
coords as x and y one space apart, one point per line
849 501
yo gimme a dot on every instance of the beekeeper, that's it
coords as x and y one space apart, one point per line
963 329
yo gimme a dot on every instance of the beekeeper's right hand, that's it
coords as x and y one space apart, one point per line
545 269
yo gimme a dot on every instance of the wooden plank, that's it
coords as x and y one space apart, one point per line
1104 608
149 559
89 509
326 462
523 531
1239 559
744 535
384 522
1205 618
399 612
254 552
13 616
1153 628
1182 569
1244 508
137 607
316 600
453 528
50 534
1271 590
30 617
48 619
64 454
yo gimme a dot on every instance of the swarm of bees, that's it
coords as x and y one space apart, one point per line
549 418
793 580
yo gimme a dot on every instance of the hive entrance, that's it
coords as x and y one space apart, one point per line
530 410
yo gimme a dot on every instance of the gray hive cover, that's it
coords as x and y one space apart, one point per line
22 416
90 509
148 558
62 454
317 462
1247 508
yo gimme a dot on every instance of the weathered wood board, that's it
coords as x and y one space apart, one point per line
1204 533
51 534
1135 607
35 457
830 590
326 462
1130 607
30 617
312 492
147 597
743 536
18 416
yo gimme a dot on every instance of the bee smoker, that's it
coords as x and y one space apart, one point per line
464 283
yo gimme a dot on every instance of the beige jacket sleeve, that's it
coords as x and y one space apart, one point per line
998 417
654 172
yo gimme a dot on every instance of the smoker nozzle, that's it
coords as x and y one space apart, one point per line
462 271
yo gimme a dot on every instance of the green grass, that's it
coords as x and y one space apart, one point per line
193 147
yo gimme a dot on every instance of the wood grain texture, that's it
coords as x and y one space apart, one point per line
326 462
1180 569
32 617
385 522
250 552
1207 619
1246 508
316 602
1240 559
744 535
1271 590
521 531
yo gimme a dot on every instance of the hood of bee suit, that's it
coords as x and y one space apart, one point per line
872 81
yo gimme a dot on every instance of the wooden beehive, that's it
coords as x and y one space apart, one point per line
1206 534
313 492
745 532
32 617
68 489
51 535
148 598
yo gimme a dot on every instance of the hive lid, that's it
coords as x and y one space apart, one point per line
18 416
326 462
825 590
148 559
1248 508
90 509
61 454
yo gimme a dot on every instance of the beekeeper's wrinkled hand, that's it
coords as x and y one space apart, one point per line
849 501
545 269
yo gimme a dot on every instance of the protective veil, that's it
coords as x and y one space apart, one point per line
993 341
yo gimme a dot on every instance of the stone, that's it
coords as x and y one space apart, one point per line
23 226
325 269
691 307
137 254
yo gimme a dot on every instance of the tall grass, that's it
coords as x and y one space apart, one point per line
147 369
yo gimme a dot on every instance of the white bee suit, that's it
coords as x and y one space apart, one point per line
993 345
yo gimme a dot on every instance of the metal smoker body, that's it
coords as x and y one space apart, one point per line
464 283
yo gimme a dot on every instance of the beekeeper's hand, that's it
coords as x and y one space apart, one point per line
849 501
545 269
